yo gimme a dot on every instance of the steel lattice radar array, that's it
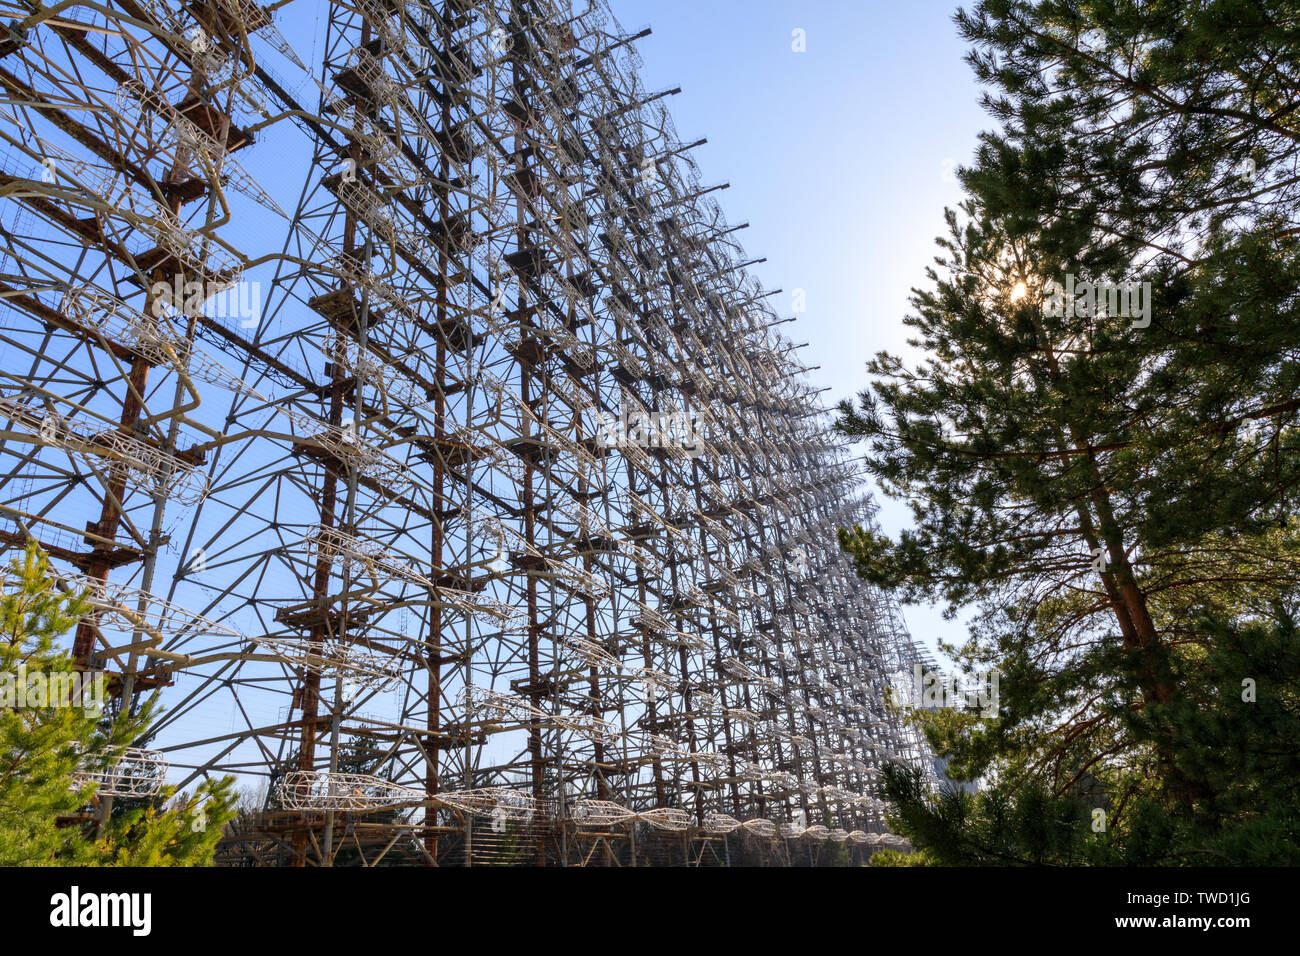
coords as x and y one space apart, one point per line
406 407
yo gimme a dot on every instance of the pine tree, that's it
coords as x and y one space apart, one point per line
1237 717
1113 493
38 747
43 747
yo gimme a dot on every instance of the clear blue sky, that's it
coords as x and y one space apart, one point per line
840 158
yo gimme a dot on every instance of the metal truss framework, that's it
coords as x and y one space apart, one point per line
390 545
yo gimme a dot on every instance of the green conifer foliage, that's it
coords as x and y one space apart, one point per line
1110 491
43 818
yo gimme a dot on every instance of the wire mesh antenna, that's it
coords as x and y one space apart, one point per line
473 482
